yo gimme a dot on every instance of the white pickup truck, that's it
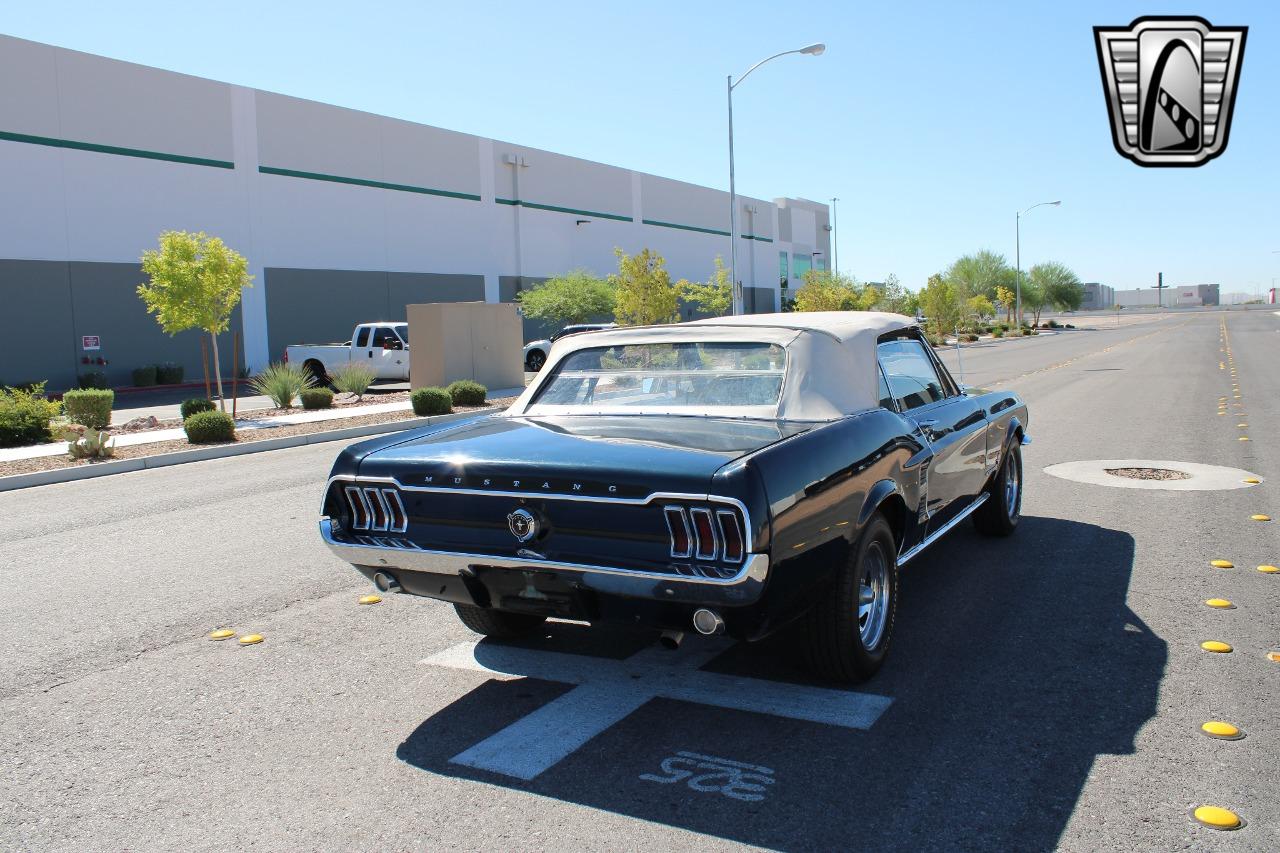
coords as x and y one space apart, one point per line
383 346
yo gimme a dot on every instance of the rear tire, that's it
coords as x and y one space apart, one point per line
999 515
316 369
498 623
848 632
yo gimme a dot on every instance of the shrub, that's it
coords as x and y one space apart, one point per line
209 427
86 443
353 378
92 379
144 376
316 398
464 392
283 382
971 337
168 373
25 415
431 401
1052 324
998 333
89 406
195 405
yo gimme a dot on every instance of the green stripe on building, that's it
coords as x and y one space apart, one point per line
685 227
362 182
757 237
72 144
554 209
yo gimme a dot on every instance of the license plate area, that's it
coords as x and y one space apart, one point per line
536 591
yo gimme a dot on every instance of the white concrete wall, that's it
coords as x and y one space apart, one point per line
62 202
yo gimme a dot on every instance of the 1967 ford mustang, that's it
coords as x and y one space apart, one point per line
735 475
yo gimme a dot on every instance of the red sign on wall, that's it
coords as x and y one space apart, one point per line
90 342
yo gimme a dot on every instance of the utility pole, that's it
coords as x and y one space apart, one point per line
1159 287
835 225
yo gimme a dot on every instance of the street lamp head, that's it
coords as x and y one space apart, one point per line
1056 203
814 49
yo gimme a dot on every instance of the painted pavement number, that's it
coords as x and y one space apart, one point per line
708 773
608 690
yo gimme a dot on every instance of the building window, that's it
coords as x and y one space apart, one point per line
801 264
820 264
782 269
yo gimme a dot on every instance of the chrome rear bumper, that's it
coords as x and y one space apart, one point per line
741 589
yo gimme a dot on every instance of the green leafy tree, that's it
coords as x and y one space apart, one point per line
896 298
715 297
979 306
1059 286
577 296
824 290
1006 298
978 274
1033 299
645 293
942 304
196 281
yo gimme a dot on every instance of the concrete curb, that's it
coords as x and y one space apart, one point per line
199 454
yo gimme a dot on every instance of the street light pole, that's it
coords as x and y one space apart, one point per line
811 50
835 246
1018 252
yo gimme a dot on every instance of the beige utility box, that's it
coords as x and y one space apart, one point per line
466 340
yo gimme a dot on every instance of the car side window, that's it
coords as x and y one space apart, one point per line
912 379
886 398
362 339
384 335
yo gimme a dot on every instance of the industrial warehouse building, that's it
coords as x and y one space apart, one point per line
344 216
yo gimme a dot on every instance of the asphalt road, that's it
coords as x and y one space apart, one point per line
1046 690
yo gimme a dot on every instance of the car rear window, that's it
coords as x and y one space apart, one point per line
666 376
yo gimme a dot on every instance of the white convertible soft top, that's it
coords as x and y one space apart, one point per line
830 370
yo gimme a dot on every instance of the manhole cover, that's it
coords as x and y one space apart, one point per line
1153 474
1148 473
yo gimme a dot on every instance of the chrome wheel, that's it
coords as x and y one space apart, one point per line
1012 485
873 596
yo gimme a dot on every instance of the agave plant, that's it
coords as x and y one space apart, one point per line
353 378
282 382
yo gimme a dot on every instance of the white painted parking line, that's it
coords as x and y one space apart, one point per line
609 690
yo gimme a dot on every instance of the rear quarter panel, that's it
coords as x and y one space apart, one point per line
816 487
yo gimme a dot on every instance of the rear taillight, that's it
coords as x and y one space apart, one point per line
376 508
286 356
705 533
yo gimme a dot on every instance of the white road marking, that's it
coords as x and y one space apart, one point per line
734 779
609 690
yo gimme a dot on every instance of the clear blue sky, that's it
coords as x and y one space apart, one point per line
932 122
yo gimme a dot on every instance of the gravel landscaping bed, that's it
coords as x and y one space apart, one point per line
49 463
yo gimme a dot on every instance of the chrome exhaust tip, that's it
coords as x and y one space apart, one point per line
671 639
386 583
707 622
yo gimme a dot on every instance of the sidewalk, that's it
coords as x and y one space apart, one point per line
57 448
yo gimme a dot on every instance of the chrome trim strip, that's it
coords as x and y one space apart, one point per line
709 553
752 573
679 512
361 515
374 495
941 531
721 515
655 496
403 523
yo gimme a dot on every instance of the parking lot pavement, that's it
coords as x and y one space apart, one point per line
1043 691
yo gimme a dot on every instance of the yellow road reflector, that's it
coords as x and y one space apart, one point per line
1259 517
251 639
1268 570
1252 480
1222 413
1222 564
1220 603
1273 656
1221 730
370 599
221 634
1242 426
1217 817
1244 438
1216 646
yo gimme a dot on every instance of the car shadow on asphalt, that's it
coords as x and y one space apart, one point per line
1015 663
